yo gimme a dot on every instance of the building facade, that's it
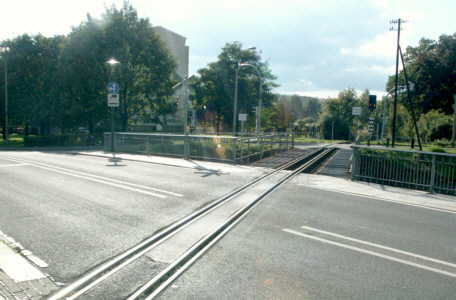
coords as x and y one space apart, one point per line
180 51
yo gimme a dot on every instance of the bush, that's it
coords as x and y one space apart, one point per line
437 149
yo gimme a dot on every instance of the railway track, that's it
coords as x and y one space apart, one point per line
199 231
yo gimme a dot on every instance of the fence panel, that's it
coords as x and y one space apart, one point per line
202 147
434 172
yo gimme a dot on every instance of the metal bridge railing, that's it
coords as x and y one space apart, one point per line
429 171
201 147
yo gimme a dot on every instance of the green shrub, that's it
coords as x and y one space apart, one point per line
437 149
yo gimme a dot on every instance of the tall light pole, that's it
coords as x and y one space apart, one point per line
4 49
260 95
236 66
112 62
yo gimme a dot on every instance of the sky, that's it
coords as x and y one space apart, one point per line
316 47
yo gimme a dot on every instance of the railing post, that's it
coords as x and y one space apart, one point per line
432 182
234 150
261 147
147 144
355 162
186 147
248 151
292 138
242 150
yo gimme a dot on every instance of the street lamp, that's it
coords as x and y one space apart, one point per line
260 92
3 50
236 90
112 62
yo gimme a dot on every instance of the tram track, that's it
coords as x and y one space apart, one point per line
234 205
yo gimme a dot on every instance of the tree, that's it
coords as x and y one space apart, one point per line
214 85
33 81
337 114
296 107
435 126
281 115
431 68
144 74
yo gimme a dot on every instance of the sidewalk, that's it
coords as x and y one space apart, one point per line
20 277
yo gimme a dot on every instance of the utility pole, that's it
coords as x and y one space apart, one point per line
398 22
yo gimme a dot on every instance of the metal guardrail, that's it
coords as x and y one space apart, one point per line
201 147
429 171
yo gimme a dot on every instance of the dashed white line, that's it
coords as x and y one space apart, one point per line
100 179
371 253
381 247
14 165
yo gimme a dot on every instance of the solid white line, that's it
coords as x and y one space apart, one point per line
94 176
15 165
382 247
381 199
372 253
103 181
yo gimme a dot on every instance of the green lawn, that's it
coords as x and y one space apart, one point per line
14 140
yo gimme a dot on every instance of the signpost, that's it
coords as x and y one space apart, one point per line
113 101
242 118
113 88
356 111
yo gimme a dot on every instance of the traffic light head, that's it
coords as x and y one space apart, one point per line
372 102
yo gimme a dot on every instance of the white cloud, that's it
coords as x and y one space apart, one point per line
383 46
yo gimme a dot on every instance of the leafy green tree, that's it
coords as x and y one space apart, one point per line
337 113
435 125
144 73
33 81
282 115
214 85
296 107
430 67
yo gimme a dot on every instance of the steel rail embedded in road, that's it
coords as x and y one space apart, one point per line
160 282
109 268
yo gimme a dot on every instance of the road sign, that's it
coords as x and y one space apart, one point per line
113 88
242 117
356 110
113 100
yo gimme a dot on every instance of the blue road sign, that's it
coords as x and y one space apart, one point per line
113 88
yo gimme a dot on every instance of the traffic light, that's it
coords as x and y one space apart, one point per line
236 64
372 102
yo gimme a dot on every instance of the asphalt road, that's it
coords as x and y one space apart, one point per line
307 243
75 212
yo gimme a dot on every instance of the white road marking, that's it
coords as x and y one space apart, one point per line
15 165
96 178
380 199
371 253
382 247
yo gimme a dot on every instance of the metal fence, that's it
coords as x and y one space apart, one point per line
429 171
201 147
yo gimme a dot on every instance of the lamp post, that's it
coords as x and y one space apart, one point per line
236 66
4 49
112 62
260 95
